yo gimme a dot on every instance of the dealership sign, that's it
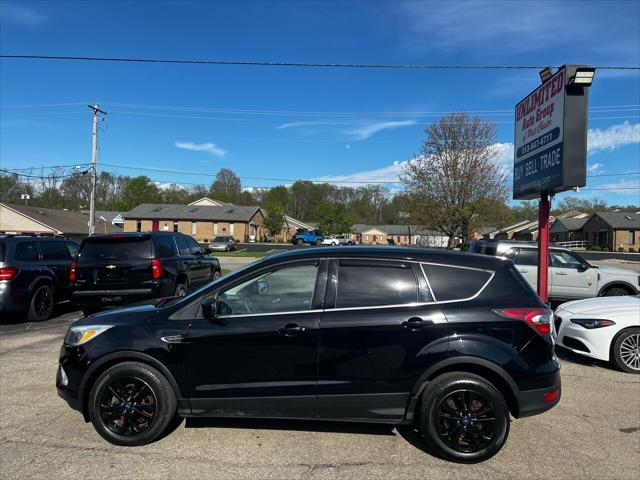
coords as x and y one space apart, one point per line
551 137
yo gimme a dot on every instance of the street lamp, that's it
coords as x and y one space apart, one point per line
583 76
546 73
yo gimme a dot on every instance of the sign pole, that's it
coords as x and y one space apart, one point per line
543 246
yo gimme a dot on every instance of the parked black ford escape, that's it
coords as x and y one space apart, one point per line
450 342
122 268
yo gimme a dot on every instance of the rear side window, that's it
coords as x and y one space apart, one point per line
120 249
454 283
164 246
370 284
52 251
527 257
183 246
26 252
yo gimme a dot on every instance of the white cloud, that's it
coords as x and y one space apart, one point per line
613 137
169 185
390 173
365 131
210 148
595 167
623 187
307 124
21 15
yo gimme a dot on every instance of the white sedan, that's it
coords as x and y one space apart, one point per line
606 328
336 240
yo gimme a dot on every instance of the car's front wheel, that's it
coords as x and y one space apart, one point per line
616 292
626 351
131 404
464 418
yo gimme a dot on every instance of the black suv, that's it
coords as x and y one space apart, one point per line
117 269
453 343
33 274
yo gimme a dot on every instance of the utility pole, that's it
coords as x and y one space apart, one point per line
94 168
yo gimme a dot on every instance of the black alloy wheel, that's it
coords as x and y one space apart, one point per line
131 404
41 304
127 406
464 418
466 421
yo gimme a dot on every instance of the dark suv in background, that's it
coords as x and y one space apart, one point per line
450 342
34 274
123 268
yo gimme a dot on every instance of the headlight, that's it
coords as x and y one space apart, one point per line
591 323
79 335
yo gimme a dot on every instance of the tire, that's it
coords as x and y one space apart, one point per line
616 292
90 311
458 436
626 351
216 275
181 290
139 400
299 241
318 242
41 304
226 249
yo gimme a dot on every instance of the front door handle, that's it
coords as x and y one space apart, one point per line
291 330
416 323
560 273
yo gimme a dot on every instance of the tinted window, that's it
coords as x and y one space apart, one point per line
283 290
2 250
193 245
26 252
183 246
120 249
164 246
73 249
527 257
54 251
369 284
454 283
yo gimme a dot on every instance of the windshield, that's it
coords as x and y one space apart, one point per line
120 249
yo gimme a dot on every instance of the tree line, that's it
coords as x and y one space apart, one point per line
452 185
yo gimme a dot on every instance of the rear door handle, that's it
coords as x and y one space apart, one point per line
291 330
416 323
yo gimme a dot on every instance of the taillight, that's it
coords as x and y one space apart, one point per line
8 273
538 318
156 268
72 271
550 396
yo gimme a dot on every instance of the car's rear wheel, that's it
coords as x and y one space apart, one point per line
131 404
299 241
318 242
464 418
181 290
217 274
626 351
41 304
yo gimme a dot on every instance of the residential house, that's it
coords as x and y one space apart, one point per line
398 235
202 221
18 219
568 229
613 230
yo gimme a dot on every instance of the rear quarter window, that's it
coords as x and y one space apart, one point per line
455 283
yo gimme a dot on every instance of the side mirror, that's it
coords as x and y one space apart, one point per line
583 268
209 308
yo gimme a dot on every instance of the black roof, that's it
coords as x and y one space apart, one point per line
452 257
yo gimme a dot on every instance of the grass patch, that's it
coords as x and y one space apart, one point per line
242 254
224 271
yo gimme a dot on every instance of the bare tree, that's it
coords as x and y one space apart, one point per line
455 183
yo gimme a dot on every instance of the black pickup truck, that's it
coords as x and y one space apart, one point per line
123 268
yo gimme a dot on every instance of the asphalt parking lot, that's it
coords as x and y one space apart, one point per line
593 433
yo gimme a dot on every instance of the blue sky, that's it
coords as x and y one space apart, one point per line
288 123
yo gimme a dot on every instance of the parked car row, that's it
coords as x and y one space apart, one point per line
103 271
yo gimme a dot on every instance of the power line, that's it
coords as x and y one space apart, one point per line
262 63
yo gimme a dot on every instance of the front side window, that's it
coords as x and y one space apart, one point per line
27 252
286 289
564 260
372 284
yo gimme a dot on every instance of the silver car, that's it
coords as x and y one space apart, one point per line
222 244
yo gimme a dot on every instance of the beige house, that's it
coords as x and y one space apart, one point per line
613 230
201 219
16 219
398 235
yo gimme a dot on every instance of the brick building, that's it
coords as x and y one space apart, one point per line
613 230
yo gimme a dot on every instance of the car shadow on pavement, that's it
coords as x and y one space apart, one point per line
294 425
60 309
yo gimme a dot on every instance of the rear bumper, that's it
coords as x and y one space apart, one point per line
115 297
539 400
12 299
